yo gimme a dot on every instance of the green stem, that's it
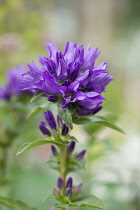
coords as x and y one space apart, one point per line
63 167
63 164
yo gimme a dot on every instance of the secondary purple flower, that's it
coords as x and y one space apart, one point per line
50 127
69 78
13 87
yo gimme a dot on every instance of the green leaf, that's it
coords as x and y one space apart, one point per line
72 138
30 145
36 95
99 120
62 206
88 201
37 109
14 204
66 116
53 164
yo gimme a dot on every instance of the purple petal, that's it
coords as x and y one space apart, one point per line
92 100
52 50
84 111
79 95
103 65
73 86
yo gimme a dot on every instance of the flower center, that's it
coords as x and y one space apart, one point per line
68 95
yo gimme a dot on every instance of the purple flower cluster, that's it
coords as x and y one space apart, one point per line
70 149
70 190
13 87
69 78
52 127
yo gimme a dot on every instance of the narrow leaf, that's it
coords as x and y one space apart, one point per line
36 110
36 95
89 201
99 120
66 116
72 138
30 145
15 204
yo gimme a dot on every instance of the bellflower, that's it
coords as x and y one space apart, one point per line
13 87
69 78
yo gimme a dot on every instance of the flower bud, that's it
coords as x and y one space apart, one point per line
55 192
68 192
71 147
51 208
52 98
54 150
78 188
59 120
65 129
80 155
44 130
60 183
69 183
50 119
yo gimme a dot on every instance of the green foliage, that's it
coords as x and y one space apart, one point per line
36 95
72 138
30 145
37 109
87 201
66 116
97 119
14 204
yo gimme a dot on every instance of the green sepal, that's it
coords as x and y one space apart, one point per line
14 204
36 95
65 115
30 145
97 119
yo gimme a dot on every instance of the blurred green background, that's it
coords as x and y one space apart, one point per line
113 159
